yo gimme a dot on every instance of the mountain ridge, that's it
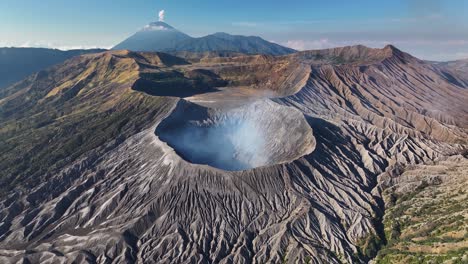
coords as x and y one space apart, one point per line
355 53
18 63
157 36
152 38
85 163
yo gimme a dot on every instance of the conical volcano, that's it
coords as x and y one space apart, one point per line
156 36
159 36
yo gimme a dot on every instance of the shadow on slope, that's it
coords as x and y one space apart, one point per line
178 84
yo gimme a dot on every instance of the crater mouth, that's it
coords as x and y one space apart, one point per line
258 134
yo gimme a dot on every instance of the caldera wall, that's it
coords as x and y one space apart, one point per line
257 134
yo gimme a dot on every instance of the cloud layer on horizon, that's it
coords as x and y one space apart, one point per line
436 40
423 49
53 45
426 33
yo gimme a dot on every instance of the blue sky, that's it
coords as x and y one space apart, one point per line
429 29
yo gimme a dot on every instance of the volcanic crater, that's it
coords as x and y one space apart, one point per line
256 134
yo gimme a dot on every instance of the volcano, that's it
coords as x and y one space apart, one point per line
319 156
156 36
159 36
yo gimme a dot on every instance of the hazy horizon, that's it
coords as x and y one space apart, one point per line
431 30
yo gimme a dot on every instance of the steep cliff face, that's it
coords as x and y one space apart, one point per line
336 122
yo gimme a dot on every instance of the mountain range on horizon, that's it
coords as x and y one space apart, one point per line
17 63
159 36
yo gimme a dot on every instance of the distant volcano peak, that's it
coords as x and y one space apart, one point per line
160 36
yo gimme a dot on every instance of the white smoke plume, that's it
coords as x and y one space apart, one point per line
161 15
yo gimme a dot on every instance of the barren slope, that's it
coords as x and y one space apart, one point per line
136 196
456 71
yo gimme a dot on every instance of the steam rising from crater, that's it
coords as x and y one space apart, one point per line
260 134
161 15
234 145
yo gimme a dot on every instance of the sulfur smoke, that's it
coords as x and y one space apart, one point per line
230 144
250 136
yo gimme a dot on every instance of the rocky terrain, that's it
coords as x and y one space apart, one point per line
426 216
93 171
457 71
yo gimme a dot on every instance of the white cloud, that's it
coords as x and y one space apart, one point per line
161 15
272 24
444 50
53 45
309 44
462 55
153 27
245 24
71 47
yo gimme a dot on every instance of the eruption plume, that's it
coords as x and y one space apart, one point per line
161 15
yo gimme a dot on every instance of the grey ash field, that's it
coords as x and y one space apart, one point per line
345 155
